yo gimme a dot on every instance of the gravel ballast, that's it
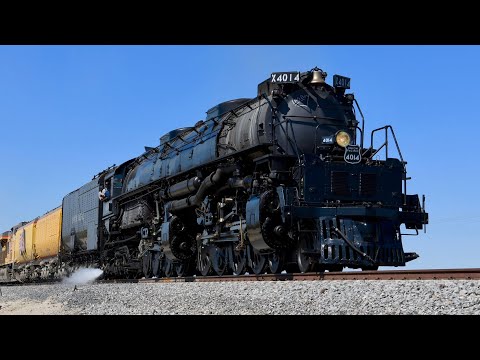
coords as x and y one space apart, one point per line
276 297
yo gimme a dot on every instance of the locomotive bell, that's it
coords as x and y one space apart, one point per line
318 77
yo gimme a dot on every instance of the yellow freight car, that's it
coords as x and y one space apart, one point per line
47 234
23 243
4 242
8 243
34 247
9 257
4 237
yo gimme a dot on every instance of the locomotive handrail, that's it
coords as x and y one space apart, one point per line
386 127
293 142
309 117
363 122
361 135
315 140
274 114
385 144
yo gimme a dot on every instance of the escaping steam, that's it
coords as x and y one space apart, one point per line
83 276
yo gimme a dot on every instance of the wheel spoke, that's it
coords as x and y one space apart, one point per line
275 263
147 267
238 260
182 268
258 262
219 260
204 261
303 260
168 267
156 264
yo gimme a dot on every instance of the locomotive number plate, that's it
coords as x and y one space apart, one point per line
285 77
341 81
352 154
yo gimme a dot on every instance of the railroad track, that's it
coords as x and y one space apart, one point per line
431 274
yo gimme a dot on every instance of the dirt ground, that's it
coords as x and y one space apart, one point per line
29 307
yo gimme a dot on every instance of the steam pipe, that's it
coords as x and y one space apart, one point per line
236 183
213 179
122 241
181 189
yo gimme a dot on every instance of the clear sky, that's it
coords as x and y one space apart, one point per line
68 112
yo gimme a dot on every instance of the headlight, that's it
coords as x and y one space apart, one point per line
342 138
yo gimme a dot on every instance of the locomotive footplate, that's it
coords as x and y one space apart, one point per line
346 212
411 219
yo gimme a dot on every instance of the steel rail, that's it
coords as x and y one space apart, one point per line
418 274
429 274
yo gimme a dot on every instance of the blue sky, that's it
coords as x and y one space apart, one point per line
68 112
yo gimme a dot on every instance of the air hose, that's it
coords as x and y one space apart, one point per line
357 250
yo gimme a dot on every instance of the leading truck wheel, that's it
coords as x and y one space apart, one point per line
303 259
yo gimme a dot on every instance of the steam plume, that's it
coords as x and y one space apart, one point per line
83 276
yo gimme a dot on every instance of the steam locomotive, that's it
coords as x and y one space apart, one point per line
282 181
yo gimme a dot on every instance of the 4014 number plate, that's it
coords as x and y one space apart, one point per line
285 77
352 154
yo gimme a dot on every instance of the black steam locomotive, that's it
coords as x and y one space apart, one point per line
282 181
